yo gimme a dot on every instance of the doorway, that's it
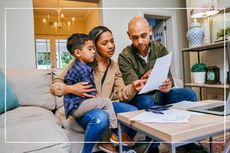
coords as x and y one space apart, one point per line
158 25
163 29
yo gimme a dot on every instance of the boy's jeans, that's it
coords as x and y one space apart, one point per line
96 121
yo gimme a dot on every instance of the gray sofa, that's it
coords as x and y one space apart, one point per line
38 124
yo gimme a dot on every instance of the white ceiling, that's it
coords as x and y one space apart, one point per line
69 8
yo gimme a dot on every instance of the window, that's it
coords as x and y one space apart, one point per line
43 53
63 56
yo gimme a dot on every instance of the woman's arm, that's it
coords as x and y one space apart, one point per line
124 93
59 88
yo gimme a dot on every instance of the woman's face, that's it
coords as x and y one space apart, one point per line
105 45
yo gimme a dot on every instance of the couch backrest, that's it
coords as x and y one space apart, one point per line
31 87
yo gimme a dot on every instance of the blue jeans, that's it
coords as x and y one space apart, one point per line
173 96
96 121
121 107
176 95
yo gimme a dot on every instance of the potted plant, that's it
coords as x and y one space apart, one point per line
198 71
220 34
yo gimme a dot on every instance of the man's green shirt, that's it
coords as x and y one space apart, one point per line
133 67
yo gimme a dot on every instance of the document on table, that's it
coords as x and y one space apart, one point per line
169 116
159 74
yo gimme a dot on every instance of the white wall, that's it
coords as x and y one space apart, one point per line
2 55
117 20
19 34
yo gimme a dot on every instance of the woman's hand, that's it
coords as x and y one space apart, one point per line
139 84
80 89
166 86
147 74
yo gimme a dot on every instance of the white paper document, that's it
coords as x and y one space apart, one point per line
159 73
169 116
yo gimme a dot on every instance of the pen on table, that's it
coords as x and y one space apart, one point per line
155 111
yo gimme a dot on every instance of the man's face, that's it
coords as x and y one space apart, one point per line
140 34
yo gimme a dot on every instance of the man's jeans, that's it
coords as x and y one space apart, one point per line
95 123
173 96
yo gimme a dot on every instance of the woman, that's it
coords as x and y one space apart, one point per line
109 83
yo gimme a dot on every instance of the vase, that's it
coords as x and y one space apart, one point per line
195 34
199 77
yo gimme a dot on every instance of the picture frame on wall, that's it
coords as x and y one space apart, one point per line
212 75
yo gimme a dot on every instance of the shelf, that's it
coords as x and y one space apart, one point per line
206 47
207 85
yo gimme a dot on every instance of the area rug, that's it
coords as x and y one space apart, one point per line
218 144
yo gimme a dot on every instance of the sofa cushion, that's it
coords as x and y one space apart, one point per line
69 123
31 87
11 99
34 125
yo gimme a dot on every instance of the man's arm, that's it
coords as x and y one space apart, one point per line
126 67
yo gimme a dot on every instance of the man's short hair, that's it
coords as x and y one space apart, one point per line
76 41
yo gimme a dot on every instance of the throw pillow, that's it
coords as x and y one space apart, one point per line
11 99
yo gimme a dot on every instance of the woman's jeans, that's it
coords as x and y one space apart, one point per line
96 121
173 96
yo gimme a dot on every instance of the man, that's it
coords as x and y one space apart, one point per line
137 60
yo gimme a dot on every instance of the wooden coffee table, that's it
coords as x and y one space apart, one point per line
178 134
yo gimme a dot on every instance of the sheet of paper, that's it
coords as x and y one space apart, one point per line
159 73
169 116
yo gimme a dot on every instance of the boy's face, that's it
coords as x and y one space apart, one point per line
86 53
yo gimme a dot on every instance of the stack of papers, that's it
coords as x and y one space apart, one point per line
169 116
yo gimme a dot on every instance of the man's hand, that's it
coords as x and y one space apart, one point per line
139 84
147 74
166 86
80 89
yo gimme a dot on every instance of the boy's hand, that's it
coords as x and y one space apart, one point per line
166 86
81 89
139 84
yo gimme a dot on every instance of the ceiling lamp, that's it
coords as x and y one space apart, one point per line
60 23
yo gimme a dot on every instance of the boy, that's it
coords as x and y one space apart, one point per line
81 47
